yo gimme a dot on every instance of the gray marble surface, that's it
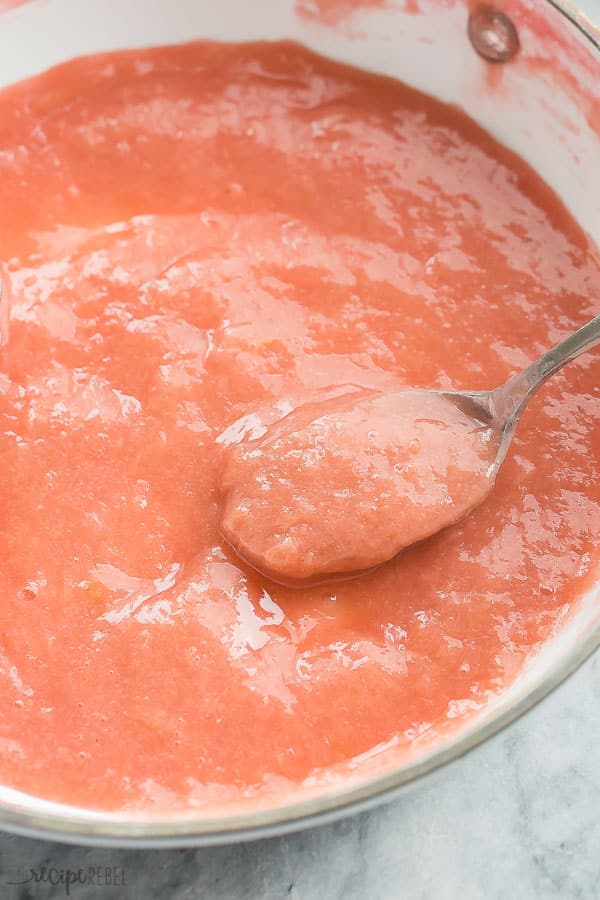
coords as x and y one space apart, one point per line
519 817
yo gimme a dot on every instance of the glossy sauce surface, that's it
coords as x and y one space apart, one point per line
196 233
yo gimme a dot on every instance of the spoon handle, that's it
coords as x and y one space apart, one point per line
510 399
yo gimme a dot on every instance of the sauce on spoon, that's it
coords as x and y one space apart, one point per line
341 486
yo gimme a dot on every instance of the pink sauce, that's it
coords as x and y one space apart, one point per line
195 233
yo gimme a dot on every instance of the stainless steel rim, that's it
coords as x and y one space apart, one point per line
87 827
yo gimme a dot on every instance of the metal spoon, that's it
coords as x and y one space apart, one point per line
341 486
503 406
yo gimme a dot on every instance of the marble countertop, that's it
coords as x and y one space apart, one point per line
519 816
